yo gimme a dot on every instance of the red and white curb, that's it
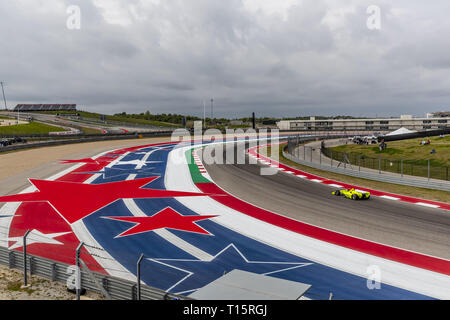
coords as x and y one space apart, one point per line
199 164
253 152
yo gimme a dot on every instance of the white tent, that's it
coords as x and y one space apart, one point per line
402 130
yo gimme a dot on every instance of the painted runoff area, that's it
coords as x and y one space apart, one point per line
189 240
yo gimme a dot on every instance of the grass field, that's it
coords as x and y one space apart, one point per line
410 150
421 193
30 128
407 156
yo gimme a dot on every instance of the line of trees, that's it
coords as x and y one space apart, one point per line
170 117
178 118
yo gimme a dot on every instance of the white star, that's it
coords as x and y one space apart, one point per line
289 265
155 149
35 236
137 162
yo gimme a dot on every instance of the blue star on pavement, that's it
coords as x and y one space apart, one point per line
199 272
108 173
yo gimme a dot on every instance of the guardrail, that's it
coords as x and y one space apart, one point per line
318 161
88 138
116 288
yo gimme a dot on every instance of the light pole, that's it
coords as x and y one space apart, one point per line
204 114
4 99
212 114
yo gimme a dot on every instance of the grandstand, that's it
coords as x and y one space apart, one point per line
45 107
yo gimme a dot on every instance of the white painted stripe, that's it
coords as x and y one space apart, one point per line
131 176
316 180
427 205
389 197
301 176
290 172
335 185
186 246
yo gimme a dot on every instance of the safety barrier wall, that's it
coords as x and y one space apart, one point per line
117 288
57 142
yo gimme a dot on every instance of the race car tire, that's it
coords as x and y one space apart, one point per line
337 193
354 197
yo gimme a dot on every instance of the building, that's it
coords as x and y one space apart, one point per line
440 114
377 124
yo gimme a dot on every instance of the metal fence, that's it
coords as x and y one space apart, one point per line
402 167
111 287
313 157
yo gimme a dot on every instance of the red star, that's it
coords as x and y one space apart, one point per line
87 160
166 218
75 201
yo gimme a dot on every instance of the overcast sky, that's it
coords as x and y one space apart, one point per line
278 58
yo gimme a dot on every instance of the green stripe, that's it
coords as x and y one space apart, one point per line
197 177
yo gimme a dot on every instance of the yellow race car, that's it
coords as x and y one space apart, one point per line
352 194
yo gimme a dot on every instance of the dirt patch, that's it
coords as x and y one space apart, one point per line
11 288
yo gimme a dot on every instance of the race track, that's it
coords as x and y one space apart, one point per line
145 200
399 224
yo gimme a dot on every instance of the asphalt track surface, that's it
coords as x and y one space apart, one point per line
407 226
171 267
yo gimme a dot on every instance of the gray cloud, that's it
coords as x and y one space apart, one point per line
317 58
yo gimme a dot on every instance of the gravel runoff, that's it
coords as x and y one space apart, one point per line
11 281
